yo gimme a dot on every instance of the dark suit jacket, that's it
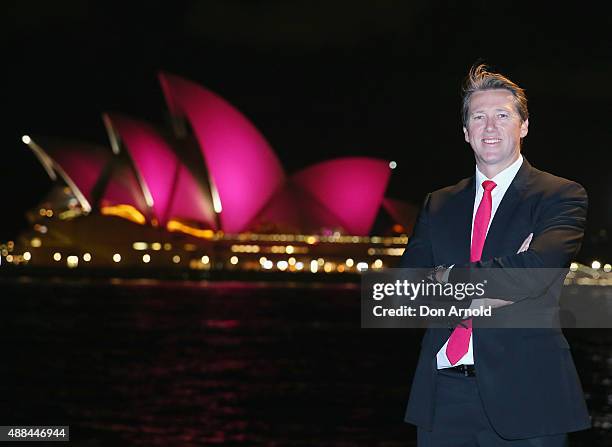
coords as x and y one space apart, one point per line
526 377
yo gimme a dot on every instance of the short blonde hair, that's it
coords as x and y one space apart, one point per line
480 78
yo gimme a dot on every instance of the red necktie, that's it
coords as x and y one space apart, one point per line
459 341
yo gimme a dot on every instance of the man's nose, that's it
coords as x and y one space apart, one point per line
490 124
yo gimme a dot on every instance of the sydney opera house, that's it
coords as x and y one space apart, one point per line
206 194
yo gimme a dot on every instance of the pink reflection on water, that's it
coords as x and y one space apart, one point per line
221 324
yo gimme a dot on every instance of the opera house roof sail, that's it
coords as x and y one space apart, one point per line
244 170
173 189
95 176
244 186
352 188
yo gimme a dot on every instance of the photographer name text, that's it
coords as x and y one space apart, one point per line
427 311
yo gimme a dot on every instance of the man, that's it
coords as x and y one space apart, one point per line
497 387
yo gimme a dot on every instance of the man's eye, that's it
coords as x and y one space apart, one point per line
502 115
477 117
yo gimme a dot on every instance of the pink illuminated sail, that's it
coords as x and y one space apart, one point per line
174 191
83 165
242 166
190 201
352 188
123 188
294 210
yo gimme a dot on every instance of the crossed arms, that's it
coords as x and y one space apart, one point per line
558 232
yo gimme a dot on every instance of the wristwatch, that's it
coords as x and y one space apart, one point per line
432 275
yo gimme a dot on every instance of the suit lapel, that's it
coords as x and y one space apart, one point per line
459 223
502 220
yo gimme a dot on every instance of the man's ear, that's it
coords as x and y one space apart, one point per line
466 135
524 128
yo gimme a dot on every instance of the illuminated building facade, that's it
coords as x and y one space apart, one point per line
211 194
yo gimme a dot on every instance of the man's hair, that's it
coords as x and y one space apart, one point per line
480 78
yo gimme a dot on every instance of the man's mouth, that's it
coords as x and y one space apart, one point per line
491 140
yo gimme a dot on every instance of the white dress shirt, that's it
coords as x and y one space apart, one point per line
502 180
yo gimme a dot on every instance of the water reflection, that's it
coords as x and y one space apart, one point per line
189 364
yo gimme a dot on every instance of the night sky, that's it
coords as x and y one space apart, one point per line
319 79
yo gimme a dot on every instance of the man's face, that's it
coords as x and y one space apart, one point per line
494 130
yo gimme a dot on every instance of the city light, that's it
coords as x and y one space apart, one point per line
26 139
72 261
574 266
282 265
362 266
392 164
245 248
177 226
127 212
607 268
244 251
596 265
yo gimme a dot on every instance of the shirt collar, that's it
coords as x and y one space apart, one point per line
504 178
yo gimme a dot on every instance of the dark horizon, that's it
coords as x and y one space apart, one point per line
320 81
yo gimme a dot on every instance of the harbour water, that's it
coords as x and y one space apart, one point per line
152 363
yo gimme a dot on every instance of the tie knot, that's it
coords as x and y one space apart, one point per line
488 185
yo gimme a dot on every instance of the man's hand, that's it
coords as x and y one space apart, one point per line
441 275
486 302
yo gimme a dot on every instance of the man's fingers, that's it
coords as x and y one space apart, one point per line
493 302
496 303
525 244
